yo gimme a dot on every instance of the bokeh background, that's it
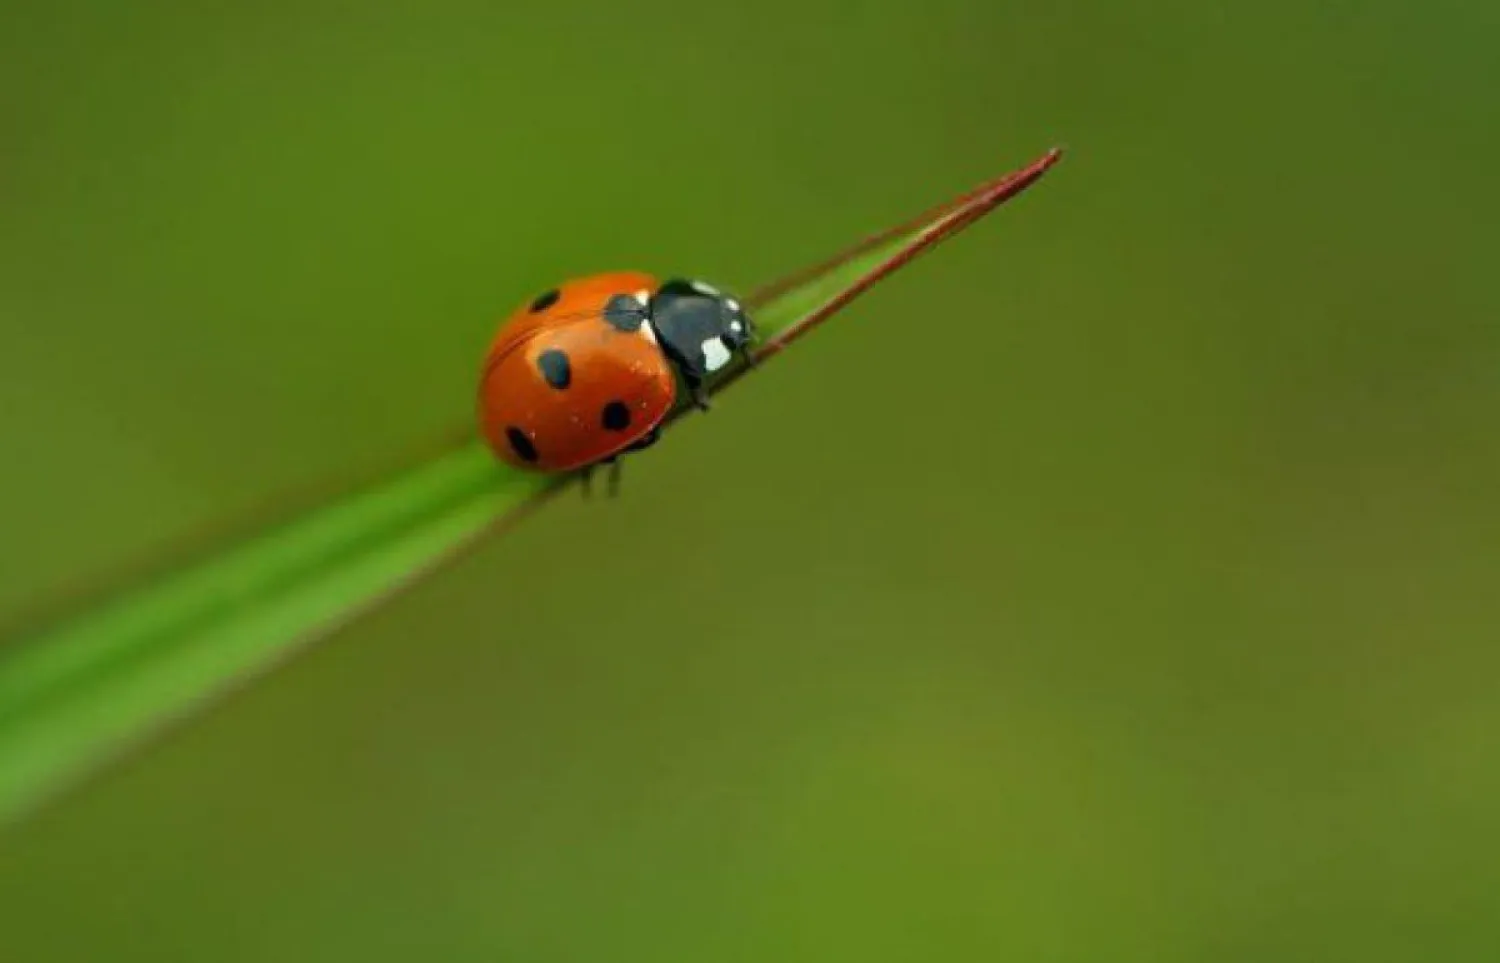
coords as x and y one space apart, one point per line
1120 583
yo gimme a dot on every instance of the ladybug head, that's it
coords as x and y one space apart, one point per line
700 328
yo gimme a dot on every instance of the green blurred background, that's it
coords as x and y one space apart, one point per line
1119 583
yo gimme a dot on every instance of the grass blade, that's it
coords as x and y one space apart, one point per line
83 690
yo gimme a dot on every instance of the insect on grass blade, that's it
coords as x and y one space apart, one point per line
113 669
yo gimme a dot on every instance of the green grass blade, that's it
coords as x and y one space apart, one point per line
82 691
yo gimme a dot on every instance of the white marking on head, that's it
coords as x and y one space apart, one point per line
646 332
643 296
736 327
732 304
715 354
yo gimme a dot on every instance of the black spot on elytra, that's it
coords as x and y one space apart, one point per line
615 416
520 444
554 366
624 313
545 300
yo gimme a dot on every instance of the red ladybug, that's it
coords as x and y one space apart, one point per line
588 371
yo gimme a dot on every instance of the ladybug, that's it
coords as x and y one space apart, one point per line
588 371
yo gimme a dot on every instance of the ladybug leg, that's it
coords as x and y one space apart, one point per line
614 477
700 397
587 481
646 442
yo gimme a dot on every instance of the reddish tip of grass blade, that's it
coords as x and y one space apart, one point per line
972 205
942 222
